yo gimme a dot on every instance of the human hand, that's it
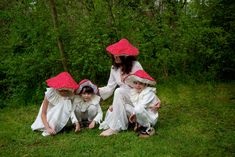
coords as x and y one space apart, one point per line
132 118
98 93
91 125
77 127
51 131
111 108
156 107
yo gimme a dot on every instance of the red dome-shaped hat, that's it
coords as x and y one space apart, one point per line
123 48
62 81
84 83
141 76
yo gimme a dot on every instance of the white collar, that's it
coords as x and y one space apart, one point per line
95 99
144 91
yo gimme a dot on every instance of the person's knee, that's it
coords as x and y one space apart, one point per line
139 110
119 91
92 110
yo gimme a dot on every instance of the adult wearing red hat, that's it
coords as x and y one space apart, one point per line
124 62
56 107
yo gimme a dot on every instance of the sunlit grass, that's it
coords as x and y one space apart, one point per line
195 120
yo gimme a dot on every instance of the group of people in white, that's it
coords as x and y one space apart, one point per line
134 99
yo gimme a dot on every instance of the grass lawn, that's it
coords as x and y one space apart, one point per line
195 120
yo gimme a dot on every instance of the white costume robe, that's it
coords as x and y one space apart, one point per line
142 102
117 119
90 110
58 112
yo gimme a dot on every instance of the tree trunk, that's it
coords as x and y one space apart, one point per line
112 21
56 27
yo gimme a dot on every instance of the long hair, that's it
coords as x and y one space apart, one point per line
125 65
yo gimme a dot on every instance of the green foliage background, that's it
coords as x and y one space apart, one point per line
191 40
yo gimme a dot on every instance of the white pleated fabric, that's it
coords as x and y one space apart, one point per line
58 112
117 119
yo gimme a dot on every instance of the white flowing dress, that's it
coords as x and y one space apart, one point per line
58 112
117 119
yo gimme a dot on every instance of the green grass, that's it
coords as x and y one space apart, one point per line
195 120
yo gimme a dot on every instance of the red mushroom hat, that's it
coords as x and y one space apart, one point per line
84 83
141 76
62 81
123 48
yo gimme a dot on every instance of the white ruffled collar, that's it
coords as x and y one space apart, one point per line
94 100
144 91
135 96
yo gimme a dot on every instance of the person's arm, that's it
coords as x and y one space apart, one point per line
75 122
99 115
146 100
97 118
106 91
75 104
143 103
73 118
157 106
45 104
149 99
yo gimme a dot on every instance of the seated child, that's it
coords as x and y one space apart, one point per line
56 107
87 108
144 100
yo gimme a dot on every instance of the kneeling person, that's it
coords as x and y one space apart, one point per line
87 108
54 113
145 102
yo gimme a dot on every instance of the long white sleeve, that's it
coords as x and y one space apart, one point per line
144 99
98 118
76 102
147 100
115 79
73 118
107 91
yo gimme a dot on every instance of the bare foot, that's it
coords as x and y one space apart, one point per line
108 132
91 125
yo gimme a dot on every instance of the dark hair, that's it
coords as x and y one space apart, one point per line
125 65
87 89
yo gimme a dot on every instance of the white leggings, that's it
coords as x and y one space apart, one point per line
122 108
117 119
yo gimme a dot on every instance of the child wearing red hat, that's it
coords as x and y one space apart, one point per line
56 107
124 62
143 98
87 107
